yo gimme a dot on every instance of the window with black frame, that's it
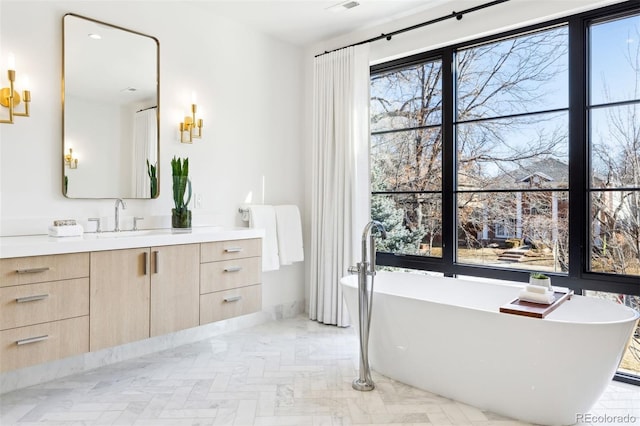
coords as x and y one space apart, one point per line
614 133
406 157
614 158
477 150
512 166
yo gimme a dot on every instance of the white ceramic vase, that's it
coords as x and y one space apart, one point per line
543 282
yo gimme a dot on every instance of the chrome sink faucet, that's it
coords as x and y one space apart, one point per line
124 206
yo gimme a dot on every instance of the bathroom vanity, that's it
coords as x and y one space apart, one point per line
68 296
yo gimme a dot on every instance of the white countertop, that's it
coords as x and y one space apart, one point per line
37 245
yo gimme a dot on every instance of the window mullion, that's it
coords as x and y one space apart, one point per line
578 149
449 219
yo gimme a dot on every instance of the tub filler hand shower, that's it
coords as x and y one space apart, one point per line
365 268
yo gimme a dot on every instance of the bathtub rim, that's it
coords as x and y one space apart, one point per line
351 281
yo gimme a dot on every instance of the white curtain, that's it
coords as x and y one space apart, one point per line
145 139
340 194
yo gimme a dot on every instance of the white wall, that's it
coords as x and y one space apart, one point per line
249 90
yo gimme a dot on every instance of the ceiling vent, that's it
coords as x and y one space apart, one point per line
345 5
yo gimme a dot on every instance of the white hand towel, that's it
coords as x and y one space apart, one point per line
535 288
263 216
66 231
289 231
544 298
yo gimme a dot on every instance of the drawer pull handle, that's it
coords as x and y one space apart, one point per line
31 298
233 269
233 250
156 259
145 260
232 299
32 340
33 270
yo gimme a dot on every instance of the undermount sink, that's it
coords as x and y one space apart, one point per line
125 234
148 232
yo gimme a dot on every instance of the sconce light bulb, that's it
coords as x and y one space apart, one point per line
194 98
11 63
191 125
25 83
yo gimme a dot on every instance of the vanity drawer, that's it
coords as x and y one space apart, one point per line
231 303
217 276
38 269
37 303
234 249
25 346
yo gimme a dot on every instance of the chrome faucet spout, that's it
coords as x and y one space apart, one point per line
119 202
369 252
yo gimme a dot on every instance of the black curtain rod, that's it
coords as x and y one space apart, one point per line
144 109
457 15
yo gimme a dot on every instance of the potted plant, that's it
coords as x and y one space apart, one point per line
540 279
180 214
153 179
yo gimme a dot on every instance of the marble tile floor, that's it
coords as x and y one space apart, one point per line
288 372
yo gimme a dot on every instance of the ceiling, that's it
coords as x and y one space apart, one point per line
304 22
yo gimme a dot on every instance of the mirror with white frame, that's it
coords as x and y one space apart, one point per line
111 113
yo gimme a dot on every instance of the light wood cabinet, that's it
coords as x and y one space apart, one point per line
35 344
175 284
55 306
221 305
230 279
30 304
38 269
143 292
232 249
119 297
228 274
44 309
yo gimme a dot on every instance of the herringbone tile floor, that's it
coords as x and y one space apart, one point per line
290 372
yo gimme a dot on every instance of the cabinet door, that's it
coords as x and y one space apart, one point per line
119 297
175 288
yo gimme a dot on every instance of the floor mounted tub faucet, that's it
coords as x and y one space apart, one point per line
365 299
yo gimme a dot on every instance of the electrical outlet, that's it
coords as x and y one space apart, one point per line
197 203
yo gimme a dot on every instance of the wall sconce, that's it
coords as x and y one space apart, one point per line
69 161
189 125
9 98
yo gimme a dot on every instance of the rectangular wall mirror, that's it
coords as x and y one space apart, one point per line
110 111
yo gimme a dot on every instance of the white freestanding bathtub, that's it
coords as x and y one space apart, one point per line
447 336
